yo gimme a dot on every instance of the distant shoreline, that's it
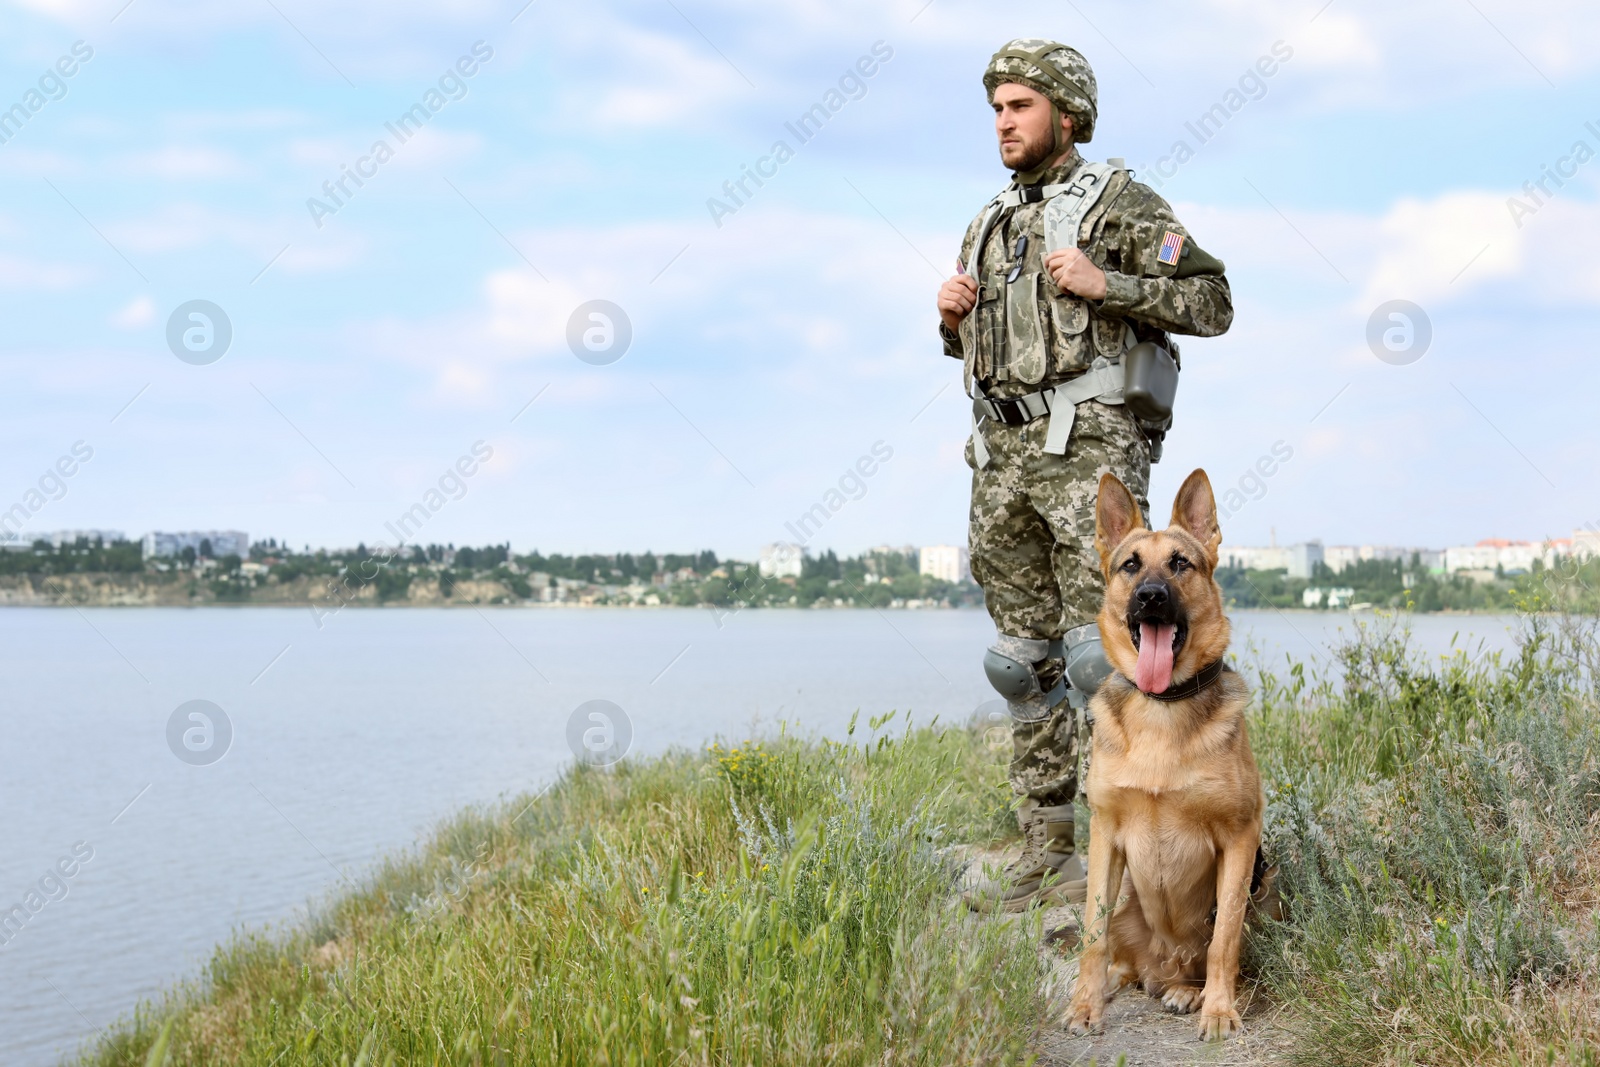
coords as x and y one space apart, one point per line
729 610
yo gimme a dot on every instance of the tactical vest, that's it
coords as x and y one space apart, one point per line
1024 328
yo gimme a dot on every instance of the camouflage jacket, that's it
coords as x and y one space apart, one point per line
1123 234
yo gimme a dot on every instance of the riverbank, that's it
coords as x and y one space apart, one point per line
84 574
176 590
791 902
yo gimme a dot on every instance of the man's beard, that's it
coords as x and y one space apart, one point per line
1035 153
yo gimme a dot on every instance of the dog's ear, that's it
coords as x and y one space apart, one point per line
1116 515
1195 510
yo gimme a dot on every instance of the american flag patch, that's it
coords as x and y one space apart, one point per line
1171 248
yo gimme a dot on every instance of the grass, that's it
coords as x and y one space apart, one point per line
777 903
1439 831
790 902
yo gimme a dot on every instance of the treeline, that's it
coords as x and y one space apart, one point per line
1573 586
624 567
876 579
687 579
84 557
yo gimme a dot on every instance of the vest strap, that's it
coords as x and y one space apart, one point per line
1102 383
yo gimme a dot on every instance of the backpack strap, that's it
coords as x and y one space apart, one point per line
1064 214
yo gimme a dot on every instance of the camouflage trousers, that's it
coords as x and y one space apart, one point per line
1031 537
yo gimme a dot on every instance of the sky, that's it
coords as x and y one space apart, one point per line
391 335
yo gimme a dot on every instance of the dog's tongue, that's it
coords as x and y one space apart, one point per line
1154 672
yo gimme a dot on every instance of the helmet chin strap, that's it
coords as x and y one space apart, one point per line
1028 177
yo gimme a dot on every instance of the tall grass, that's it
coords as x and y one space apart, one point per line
1437 823
778 903
1437 826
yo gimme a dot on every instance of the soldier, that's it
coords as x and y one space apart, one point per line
1070 266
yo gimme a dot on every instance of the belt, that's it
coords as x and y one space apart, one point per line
1015 411
1101 382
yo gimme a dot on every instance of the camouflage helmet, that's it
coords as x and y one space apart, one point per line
1060 73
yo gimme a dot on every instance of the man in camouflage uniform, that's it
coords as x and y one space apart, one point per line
1041 357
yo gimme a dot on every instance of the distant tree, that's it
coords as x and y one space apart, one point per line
515 582
205 548
823 566
392 583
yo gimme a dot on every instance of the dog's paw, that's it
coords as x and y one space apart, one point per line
1084 1015
1183 999
1219 1024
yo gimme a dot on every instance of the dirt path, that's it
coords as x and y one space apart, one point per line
1136 1026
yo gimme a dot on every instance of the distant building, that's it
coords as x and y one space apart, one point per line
1245 557
1340 557
57 538
223 543
1303 558
1510 557
948 563
780 560
1470 558
1336 598
1585 543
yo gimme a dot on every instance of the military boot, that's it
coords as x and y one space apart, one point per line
1048 872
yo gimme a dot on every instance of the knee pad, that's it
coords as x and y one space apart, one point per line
1010 665
1087 665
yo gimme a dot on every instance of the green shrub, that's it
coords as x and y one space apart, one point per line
1432 823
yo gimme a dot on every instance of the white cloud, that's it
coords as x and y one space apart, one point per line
36 161
1459 246
1338 39
1427 247
432 147
651 78
326 152
19 273
528 313
187 224
175 162
211 122
136 314
329 252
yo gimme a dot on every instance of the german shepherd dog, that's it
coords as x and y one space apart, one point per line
1175 800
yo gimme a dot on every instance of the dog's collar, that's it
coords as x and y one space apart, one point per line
1201 680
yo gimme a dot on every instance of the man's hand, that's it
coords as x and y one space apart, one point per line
956 298
1075 273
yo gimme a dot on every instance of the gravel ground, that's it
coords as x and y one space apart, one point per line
1137 1028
